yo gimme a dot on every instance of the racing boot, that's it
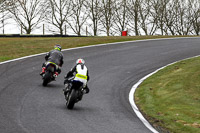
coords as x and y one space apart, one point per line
85 90
55 74
43 71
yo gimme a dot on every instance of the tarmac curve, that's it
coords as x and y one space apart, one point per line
28 107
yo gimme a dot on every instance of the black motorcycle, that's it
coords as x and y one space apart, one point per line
49 74
74 93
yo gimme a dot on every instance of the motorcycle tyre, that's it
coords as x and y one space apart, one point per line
71 100
46 78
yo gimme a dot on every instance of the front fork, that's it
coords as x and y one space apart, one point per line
79 95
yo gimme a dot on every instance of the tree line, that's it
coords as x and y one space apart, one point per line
110 17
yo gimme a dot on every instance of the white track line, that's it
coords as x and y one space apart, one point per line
131 94
133 89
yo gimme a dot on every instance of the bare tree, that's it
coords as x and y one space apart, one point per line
159 10
121 15
58 12
108 11
3 14
1 5
133 7
170 18
183 17
196 22
28 13
147 22
195 4
94 14
78 17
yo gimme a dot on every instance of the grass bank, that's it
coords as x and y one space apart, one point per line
11 48
171 97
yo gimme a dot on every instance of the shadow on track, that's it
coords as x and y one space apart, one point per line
77 108
55 86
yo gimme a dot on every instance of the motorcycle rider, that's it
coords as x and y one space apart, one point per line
78 73
55 57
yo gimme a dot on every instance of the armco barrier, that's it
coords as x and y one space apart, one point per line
19 35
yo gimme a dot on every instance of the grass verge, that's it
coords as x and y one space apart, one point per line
11 48
171 97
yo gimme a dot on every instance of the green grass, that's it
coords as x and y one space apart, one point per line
171 97
11 48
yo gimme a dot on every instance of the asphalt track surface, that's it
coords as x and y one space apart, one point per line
28 107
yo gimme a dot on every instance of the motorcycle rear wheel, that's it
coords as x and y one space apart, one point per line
46 78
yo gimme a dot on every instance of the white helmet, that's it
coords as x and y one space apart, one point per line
80 61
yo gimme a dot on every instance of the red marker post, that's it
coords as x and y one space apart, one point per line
124 33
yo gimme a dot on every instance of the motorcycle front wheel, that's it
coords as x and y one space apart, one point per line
71 99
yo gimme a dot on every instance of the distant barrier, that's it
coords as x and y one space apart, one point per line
56 35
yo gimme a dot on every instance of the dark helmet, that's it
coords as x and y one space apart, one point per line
58 47
80 61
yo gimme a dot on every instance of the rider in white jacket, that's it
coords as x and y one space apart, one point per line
79 73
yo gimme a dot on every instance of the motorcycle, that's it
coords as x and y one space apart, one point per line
49 74
74 93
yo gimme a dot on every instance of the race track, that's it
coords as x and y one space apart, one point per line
28 107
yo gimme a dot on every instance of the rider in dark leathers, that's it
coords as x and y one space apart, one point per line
55 57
